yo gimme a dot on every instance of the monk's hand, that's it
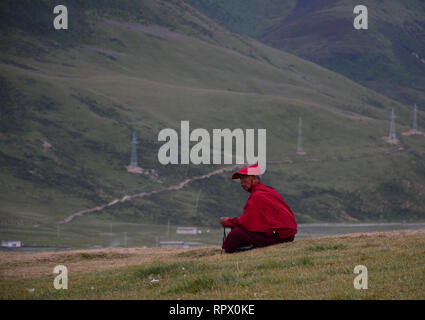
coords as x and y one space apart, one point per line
223 221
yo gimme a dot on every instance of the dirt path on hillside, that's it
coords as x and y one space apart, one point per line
147 194
220 171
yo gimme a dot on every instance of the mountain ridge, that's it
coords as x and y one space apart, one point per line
385 58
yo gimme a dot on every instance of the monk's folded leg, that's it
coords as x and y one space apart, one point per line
240 237
237 238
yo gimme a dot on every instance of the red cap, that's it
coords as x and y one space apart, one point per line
253 170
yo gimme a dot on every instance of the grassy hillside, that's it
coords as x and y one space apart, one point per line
321 268
70 101
389 57
248 17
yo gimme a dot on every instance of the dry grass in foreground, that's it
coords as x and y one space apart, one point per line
320 268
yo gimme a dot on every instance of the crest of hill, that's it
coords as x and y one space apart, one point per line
389 57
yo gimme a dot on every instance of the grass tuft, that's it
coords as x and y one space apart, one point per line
304 261
339 246
98 255
195 285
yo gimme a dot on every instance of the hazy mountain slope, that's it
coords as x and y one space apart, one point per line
389 57
249 17
68 109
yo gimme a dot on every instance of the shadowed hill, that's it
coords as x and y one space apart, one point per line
389 57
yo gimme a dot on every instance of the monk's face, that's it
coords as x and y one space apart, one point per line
247 182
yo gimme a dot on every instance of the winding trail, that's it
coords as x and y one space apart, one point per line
147 194
182 184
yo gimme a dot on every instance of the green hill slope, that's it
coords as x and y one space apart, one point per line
320 268
70 101
389 57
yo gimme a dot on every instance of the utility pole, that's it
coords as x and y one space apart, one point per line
300 137
168 229
110 232
392 135
133 161
415 110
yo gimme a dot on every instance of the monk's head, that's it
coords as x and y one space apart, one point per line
248 182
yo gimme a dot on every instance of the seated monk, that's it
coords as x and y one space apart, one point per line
266 219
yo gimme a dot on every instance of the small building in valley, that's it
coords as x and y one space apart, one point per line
11 244
174 244
186 230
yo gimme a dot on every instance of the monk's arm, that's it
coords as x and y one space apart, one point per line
233 222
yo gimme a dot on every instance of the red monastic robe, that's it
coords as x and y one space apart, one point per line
265 211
